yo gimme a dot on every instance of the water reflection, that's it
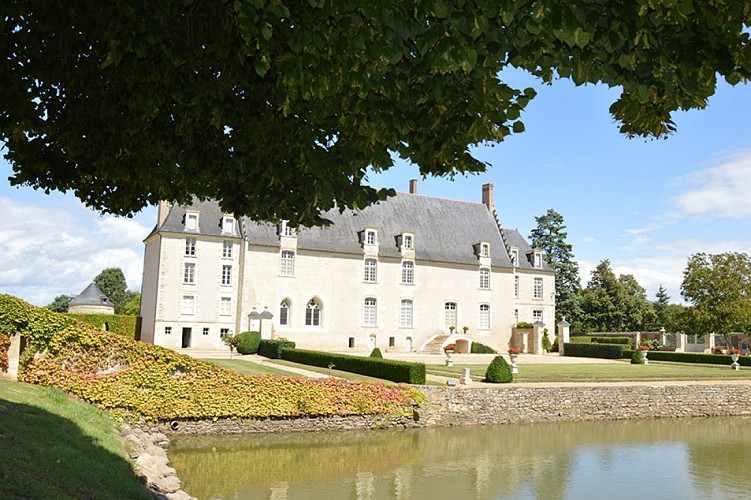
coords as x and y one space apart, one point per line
695 458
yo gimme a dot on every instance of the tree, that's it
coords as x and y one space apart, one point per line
550 235
112 282
615 304
59 304
718 289
133 306
661 306
278 109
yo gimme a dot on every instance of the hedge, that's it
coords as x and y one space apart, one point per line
605 351
273 349
692 357
122 324
396 371
612 340
581 340
479 348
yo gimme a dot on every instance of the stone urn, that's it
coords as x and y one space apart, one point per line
644 353
449 353
735 365
514 357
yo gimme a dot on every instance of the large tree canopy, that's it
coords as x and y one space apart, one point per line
277 108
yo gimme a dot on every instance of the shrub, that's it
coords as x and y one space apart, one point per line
555 347
37 324
524 324
247 342
498 372
396 371
635 357
480 348
694 357
546 345
272 349
606 351
613 340
376 353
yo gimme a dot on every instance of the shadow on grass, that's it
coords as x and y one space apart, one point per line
43 455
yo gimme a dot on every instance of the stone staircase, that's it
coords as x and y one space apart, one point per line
434 346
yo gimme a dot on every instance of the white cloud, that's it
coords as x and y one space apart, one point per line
49 251
719 192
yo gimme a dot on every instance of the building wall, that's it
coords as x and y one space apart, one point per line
150 286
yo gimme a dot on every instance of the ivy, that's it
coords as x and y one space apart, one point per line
4 346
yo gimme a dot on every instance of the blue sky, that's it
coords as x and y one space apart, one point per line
645 205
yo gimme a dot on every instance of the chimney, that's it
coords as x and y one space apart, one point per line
161 212
413 186
487 196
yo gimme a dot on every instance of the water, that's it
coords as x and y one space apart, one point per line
651 459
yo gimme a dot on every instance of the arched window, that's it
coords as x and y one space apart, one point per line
284 312
313 313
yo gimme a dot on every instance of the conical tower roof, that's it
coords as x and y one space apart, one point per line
91 296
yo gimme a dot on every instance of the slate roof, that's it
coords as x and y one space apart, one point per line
444 230
91 296
513 239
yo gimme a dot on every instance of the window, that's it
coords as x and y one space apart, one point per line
406 313
449 315
484 316
223 332
188 304
536 315
514 257
484 278
287 230
288 263
516 286
205 330
516 316
370 237
369 312
227 249
284 312
189 273
168 330
226 275
537 292
191 222
313 313
190 246
538 259
228 224
408 273
225 306
370 271
484 250
407 242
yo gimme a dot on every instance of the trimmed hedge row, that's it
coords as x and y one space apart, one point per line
122 324
480 348
612 340
580 340
692 357
396 371
273 349
605 351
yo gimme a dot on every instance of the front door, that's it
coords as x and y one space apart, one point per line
408 344
186 338
372 342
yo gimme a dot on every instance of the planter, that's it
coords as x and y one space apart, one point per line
644 359
449 361
514 368
735 365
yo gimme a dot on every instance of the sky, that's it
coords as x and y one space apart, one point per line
646 205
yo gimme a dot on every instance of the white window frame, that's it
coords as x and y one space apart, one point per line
537 291
287 263
450 315
287 230
228 224
227 249
484 249
226 275
223 332
370 270
408 272
188 305
484 278
515 257
408 241
371 237
536 315
406 313
191 221
205 330
168 330
190 247
313 313
370 311
516 287
538 259
189 273
484 317
225 306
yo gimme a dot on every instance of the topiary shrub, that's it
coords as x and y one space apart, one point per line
247 342
636 358
480 348
546 345
498 372
376 353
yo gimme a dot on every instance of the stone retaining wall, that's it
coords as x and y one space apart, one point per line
514 404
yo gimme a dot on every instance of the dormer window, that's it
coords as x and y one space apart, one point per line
191 221
407 242
484 249
228 224
370 237
285 229
514 257
538 259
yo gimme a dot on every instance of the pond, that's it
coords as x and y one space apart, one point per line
656 459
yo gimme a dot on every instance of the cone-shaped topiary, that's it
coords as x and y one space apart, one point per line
636 358
376 353
498 372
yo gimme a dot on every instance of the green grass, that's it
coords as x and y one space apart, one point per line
54 447
604 372
250 368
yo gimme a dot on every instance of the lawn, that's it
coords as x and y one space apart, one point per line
54 447
604 372
250 368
